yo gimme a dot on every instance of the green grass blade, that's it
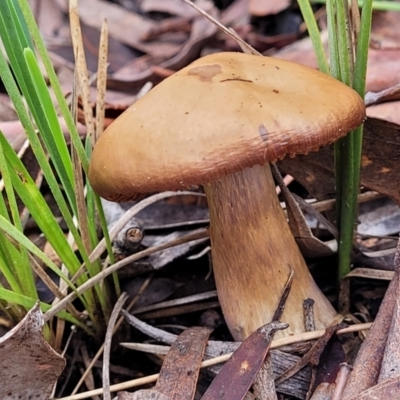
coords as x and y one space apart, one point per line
39 152
17 236
352 181
360 68
34 89
40 45
11 231
49 127
13 37
22 271
376 5
348 150
9 266
11 259
37 206
28 302
313 31
24 46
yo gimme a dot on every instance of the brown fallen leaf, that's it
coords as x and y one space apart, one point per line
180 369
367 366
239 372
384 30
124 25
49 17
173 7
383 67
391 359
29 367
259 8
387 111
7 111
15 132
135 74
379 171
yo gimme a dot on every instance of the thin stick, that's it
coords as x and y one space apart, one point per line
107 344
224 29
101 80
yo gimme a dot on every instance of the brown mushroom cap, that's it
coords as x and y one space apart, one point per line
221 114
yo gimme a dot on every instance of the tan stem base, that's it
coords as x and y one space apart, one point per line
253 251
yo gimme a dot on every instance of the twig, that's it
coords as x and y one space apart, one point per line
107 344
224 29
285 293
341 380
309 321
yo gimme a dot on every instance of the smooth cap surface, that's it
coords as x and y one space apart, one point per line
220 114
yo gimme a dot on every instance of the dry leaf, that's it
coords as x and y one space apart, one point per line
29 367
367 366
181 367
385 32
239 372
390 366
386 111
380 172
267 7
135 74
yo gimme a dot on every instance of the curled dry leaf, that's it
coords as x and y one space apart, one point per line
29 367
388 94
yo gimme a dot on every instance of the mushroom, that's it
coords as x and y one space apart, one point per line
219 122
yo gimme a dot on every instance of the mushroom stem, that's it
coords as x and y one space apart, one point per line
253 252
